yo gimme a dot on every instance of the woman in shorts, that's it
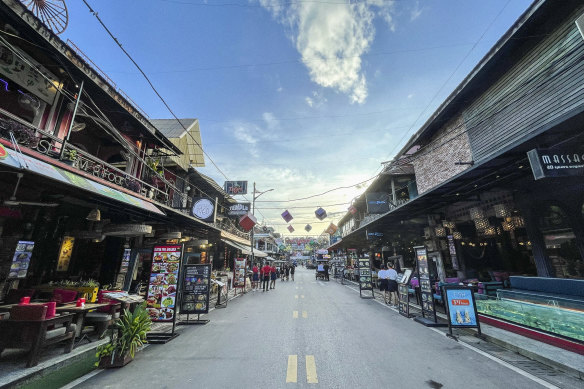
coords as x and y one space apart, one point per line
384 283
255 278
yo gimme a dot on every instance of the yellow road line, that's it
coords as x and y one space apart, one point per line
295 314
311 377
292 373
304 314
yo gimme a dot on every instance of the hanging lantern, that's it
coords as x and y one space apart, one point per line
440 232
320 213
290 228
308 228
518 221
507 226
502 211
490 231
353 210
457 235
482 223
447 224
476 213
287 216
247 221
331 229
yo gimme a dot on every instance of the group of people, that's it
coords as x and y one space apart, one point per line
388 284
268 274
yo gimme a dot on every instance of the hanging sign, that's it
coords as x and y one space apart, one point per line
287 216
203 209
235 187
161 299
557 162
65 253
239 273
21 259
461 307
377 202
239 209
452 251
195 289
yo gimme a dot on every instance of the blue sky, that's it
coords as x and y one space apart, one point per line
299 96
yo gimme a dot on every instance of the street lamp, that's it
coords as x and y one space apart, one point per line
253 212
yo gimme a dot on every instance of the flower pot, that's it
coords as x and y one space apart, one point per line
119 361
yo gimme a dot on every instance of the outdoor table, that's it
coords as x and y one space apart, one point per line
80 313
7 307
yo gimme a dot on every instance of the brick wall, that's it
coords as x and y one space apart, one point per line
434 163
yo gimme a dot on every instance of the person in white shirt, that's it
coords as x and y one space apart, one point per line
392 285
383 278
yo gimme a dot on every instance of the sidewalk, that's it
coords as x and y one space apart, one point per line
500 340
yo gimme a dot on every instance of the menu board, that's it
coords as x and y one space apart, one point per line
365 282
404 299
425 284
21 259
160 302
461 307
195 288
239 273
125 261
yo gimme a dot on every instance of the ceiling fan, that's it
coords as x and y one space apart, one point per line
12 202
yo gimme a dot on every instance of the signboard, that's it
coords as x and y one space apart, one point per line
196 289
452 251
557 162
235 187
373 235
377 202
239 209
365 280
404 299
65 253
461 307
239 273
21 259
121 276
428 308
161 299
203 209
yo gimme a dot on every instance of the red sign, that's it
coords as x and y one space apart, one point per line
460 302
3 152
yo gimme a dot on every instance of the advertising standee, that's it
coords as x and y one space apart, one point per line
195 291
365 279
239 277
162 290
461 308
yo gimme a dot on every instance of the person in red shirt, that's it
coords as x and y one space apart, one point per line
255 278
266 270
273 276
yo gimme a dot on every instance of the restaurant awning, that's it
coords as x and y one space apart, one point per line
32 165
245 249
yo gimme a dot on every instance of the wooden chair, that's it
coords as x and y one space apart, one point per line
27 328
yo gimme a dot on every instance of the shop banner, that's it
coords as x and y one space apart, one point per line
428 308
161 300
239 273
235 187
65 253
239 209
377 202
195 289
452 251
21 259
557 162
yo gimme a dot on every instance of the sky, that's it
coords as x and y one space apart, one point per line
304 96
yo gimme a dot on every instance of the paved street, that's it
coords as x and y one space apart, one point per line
309 333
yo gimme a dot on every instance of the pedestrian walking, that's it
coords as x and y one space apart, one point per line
383 277
255 278
326 269
287 272
292 269
273 277
266 269
392 285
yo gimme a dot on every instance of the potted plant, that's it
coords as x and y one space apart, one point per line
90 288
70 156
129 335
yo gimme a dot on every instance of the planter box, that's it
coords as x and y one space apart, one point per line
89 291
119 361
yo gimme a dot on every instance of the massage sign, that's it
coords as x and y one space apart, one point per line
161 300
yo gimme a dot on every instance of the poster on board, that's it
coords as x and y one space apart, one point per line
427 295
239 273
21 259
461 307
162 289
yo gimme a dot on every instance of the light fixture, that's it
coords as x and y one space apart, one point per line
501 210
518 221
94 215
440 232
481 223
457 235
476 213
447 224
507 226
490 231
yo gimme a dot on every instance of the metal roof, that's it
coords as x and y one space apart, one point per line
172 128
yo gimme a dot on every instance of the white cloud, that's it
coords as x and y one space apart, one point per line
332 38
309 101
316 100
411 95
416 11
271 120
